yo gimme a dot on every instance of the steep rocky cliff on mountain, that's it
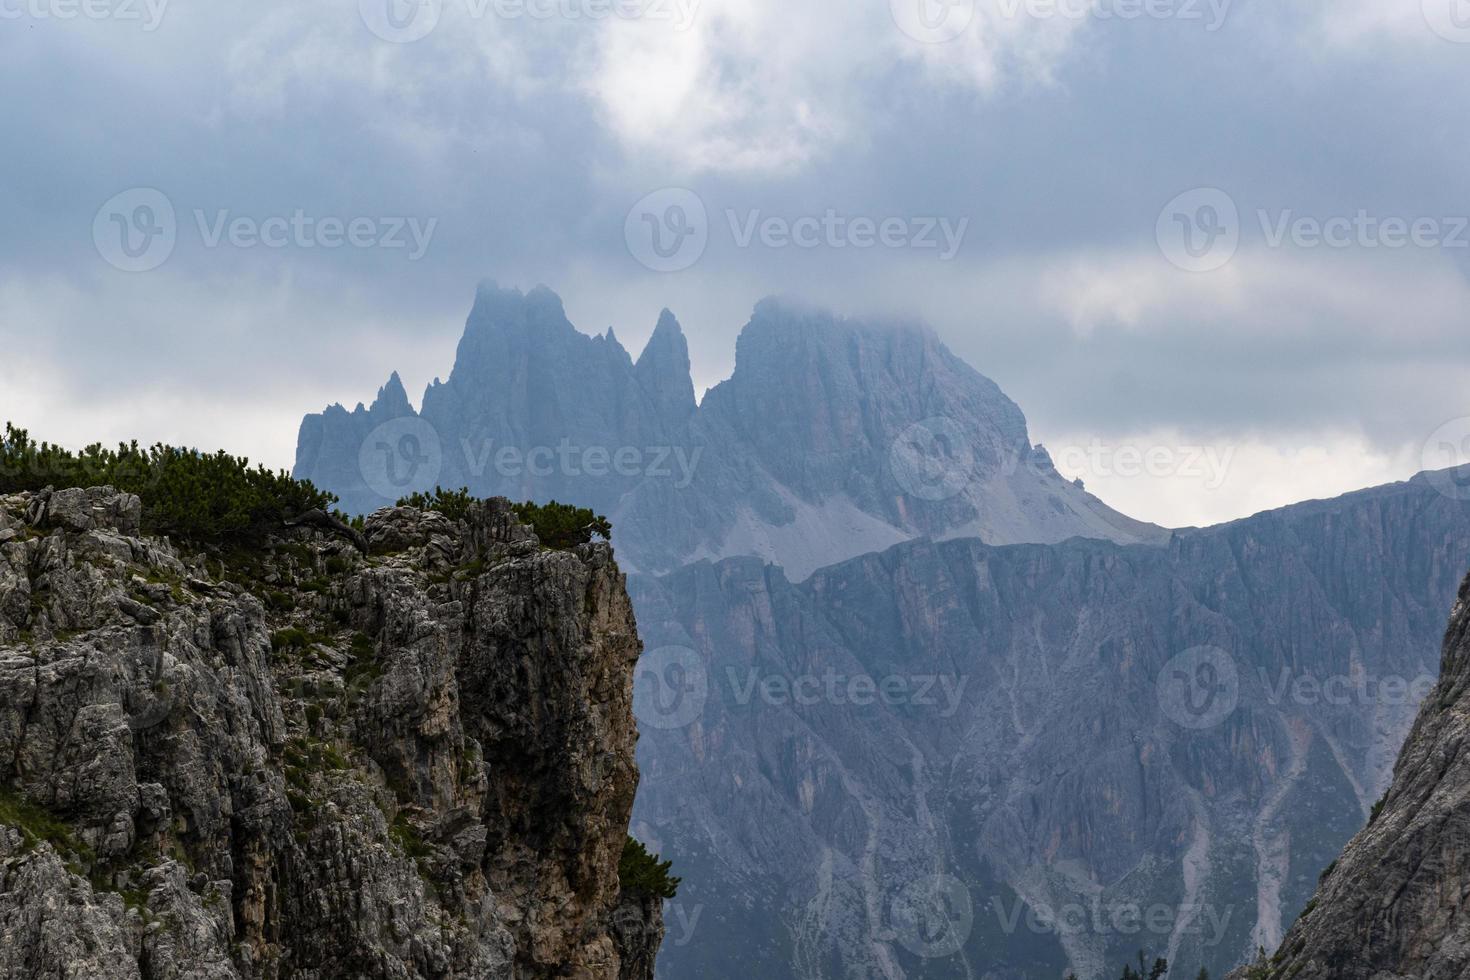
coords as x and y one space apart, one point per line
1159 747
302 760
832 438
1396 904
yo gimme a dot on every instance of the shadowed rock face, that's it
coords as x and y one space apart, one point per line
1393 906
831 439
1045 748
309 762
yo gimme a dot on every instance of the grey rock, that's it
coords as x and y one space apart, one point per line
1049 775
410 765
1393 905
813 451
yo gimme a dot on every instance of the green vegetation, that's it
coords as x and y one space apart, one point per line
559 526
453 504
1158 971
293 640
643 873
408 838
188 495
563 526
38 825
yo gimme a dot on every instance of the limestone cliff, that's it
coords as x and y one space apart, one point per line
1393 906
309 761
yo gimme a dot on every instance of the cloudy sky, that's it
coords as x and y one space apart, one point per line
1216 249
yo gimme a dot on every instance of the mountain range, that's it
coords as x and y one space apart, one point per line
832 438
912 703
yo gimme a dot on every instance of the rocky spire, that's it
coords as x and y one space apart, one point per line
663 370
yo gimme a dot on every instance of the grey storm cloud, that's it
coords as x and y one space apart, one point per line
823 147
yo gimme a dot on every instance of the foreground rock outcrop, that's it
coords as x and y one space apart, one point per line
304 761
1394 906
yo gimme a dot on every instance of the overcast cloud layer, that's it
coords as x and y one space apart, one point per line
1021 173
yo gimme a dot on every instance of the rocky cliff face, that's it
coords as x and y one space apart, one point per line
305 761
952 759
1394 905
832 438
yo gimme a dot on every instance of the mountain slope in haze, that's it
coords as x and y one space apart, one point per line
832 438
1083 732
1394 904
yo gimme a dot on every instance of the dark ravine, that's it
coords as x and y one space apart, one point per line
1394 905
303 761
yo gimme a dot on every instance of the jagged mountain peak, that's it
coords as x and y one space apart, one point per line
819 446
663 370
392 398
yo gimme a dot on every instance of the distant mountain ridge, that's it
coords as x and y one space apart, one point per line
856 509
1038 754
832 438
